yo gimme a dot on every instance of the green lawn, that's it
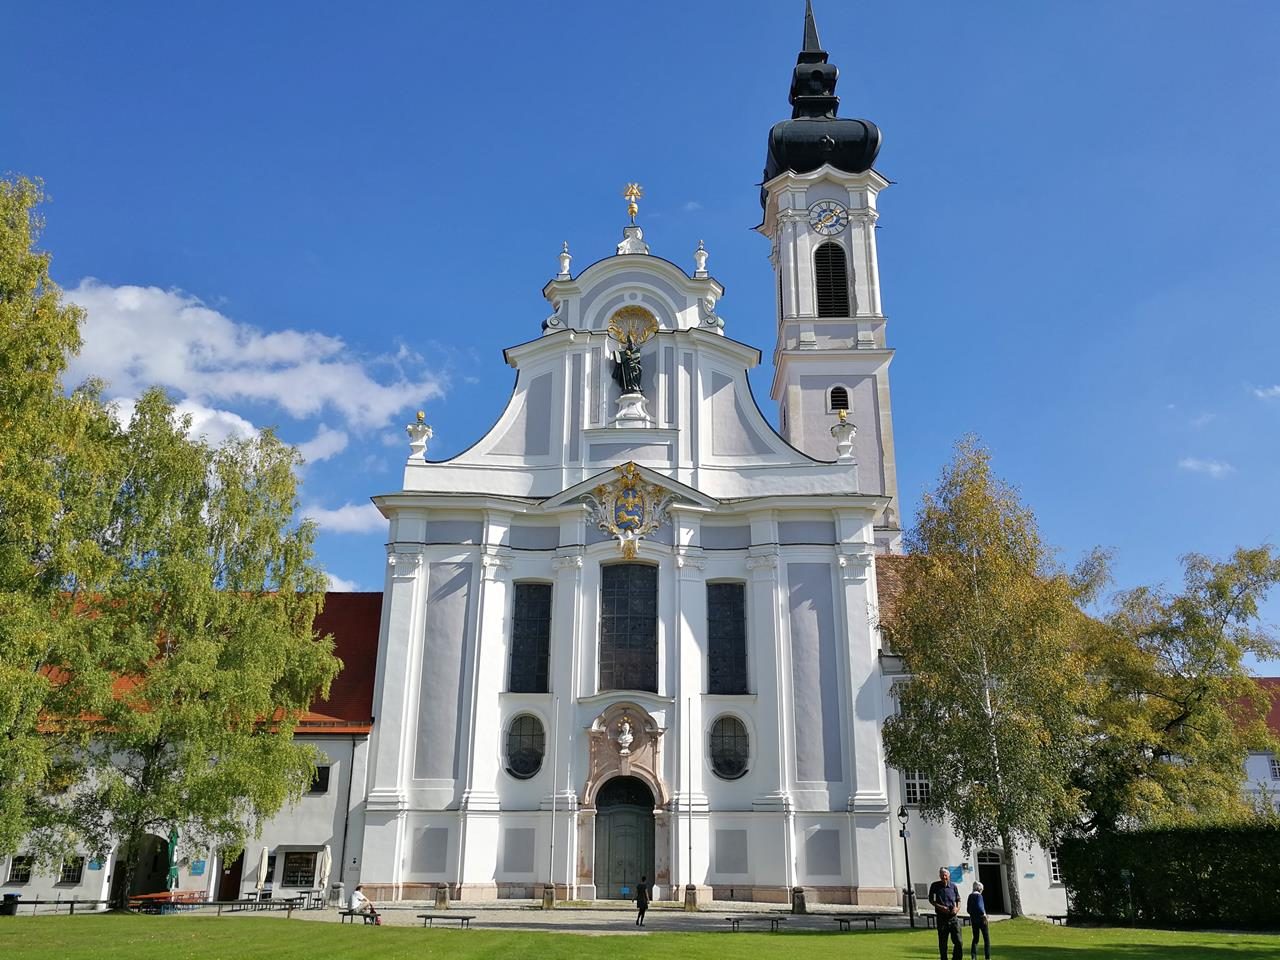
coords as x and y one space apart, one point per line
210 938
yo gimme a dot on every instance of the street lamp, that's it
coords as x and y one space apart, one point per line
903 817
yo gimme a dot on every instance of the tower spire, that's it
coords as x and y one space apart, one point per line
811 42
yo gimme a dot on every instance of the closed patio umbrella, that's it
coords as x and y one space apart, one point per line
173 858
262 870
324 868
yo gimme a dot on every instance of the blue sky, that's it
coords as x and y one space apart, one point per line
324 217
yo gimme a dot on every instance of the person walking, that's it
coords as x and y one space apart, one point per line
642 900
945 897
977 910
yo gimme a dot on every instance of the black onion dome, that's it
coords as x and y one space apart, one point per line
814 135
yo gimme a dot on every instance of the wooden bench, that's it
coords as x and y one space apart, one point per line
869 920
1058 919
345 915
931 920
774 921
464 920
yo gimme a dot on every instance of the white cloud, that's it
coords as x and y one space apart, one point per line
1202 420
325 444
348 518
692 206
1213 468
338 585
1267 393
135 337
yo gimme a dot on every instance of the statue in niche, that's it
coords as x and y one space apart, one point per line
626 366
625 737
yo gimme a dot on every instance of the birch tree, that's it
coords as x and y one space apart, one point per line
993 705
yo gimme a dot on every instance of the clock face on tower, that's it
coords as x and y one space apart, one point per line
828 217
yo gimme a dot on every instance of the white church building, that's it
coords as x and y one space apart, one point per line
632 631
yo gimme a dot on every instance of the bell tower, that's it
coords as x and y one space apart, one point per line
831 361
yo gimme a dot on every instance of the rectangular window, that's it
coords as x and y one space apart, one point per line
1055 873
72 870
726 638
915 787
320 781
271 869
530 638
299 869
629 627
20 870
1275 768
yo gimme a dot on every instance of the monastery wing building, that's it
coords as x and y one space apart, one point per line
631 632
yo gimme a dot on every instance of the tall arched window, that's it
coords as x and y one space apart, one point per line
831 280
530 638
629 627
726 638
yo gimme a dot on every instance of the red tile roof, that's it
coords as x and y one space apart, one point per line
1272 686
354 620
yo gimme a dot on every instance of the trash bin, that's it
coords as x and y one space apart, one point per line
338 894
9 906
797 900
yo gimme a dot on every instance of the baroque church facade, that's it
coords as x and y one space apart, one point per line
632 631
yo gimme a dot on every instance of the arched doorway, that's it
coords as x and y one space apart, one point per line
150 872
624 838
991 874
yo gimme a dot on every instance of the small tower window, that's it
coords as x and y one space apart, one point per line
839 399
831 280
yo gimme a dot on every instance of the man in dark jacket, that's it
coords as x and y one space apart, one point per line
642 900
945 897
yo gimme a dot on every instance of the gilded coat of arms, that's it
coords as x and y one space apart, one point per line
629 507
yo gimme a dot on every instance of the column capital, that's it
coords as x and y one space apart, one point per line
570 561
405 560
494 564
855 561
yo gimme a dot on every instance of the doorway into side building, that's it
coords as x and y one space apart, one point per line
229 882
991 876
624 838
150 873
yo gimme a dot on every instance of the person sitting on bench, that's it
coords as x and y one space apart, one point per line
363 905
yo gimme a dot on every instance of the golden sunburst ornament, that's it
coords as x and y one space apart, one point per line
634 322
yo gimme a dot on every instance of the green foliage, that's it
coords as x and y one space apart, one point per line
156 600
1210 876
1176 712
992 708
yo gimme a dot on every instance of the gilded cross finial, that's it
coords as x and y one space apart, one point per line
631 194
422 416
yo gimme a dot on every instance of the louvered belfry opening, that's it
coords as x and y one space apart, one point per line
831 280
839 398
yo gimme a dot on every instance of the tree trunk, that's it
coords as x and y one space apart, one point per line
127 866
1011 873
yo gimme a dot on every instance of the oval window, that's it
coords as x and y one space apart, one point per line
730 748
526 746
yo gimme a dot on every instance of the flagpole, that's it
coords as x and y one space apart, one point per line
555 757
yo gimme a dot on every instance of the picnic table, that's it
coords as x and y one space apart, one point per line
464 920
775 920
167 902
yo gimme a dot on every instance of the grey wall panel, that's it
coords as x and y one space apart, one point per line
534 538
730 434
517 850
575 408
454 531
669 372
430 851
726 538
815 681
441 700
731 851
622 452
530 433
822 853
806 531
594 406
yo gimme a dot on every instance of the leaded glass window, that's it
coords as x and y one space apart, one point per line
629 627
726 638
530 637
730 748
526 746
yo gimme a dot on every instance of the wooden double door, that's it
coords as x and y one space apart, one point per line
624 839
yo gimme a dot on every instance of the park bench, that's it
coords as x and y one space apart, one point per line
774 921
345 915
463 919
931 920
869 920
1058 919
